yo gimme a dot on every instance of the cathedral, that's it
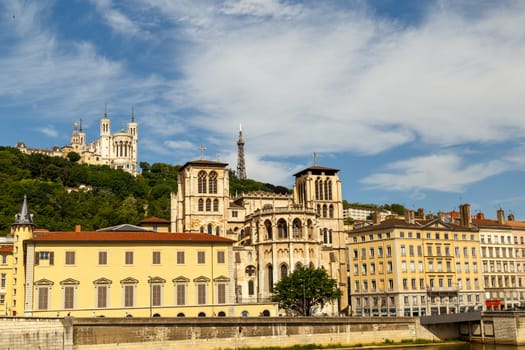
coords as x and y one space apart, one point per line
117 150
274 233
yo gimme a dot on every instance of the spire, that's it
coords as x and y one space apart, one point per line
315 158
106 110
241 168
132 115
80 125
24 217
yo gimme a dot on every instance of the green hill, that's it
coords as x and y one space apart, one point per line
63 193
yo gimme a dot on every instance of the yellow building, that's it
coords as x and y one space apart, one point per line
125 270
415 267
6 269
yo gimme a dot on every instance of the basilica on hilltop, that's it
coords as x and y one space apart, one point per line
117 150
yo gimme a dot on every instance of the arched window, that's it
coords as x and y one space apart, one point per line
319 189
284 271
217 231
329 189
212 183
325 212
325 235
331 211
296 227
201 204
208 204
269 270
298 266
268 226
330 236
202 229
319 209
282 229
202 182
310 226
215 205
210 229
251 287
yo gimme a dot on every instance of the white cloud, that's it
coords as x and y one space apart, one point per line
260 8
48 130
443 172
117 20
180 145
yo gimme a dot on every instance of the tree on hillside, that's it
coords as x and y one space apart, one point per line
305 288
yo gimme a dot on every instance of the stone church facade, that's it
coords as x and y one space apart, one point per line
274 233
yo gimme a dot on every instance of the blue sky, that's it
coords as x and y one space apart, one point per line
416 102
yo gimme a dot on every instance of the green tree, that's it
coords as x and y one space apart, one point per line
73 156
305 288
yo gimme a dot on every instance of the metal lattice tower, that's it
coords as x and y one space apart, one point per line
241 168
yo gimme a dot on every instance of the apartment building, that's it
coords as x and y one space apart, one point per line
415 267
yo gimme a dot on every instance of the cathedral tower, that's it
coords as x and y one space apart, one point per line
241 168
133 131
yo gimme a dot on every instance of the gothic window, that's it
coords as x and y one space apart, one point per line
202 229
284 271
270 277
268 226
328 189
319 189
215 205
324 211
331 211
319 209
325 235
251 289
208 204
201 204
282 229
330 236
296 226
210 229
212 187
202 182
310 228
298 266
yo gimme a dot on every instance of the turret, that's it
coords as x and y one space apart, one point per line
22 230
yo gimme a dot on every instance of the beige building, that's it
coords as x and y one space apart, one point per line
415 267
503 253
119 271
275 233
118 150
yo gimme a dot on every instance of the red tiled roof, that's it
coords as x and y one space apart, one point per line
154 220
488 222
6 248
158 237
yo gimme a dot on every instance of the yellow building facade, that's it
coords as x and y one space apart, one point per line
121 272
414 267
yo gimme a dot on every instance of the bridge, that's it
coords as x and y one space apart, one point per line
451 318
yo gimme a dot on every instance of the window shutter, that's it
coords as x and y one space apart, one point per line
51 258
37 258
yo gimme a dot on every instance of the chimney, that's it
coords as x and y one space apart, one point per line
421 213
465 217
501 216
511 217
441 216
409 216
78 228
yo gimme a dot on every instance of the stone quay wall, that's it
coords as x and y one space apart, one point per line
71 333
33 333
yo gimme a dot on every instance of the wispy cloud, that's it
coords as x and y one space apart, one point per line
441 172
117 20
48 130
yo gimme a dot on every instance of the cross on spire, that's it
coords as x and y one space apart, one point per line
202 149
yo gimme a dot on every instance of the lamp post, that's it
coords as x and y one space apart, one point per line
150 295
